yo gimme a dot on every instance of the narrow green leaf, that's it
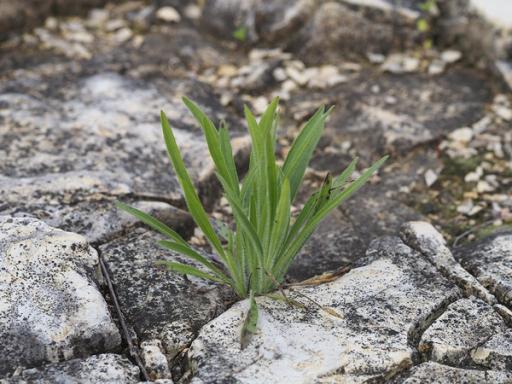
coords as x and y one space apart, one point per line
212 139
302 150
299 240
343 176
152 222
194 255
281 224
185 269
227 152
193 203
250 326
241 217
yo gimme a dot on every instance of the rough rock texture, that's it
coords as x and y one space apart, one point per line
70 153
393 114
317 31
482 29
263 20
465 325
105 368
50 306
381 306
164 308
350 28
490 261
334 244
424 238
434 373
23 14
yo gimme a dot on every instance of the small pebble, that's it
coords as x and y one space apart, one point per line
430 177
168 14
450 56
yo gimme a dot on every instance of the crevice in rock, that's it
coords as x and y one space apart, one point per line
490 290
416 332
126 332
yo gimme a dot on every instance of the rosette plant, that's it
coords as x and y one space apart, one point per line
256 253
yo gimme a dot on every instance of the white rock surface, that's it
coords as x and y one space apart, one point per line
381 305
489 260
434 373
165 309
105 368
50 306
424 238
465 326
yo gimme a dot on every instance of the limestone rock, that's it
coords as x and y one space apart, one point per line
380 307
489 261
50 306
164 308
482 29
263 20
435 373
424 238
334 244
105 368
352 27
424 109
465 326
70 154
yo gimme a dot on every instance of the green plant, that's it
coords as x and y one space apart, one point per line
255 254
240 33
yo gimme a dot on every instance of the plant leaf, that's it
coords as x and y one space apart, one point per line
188 251
193 203
282 221
185 269
152 222
302 150
250 325
299 240
213 140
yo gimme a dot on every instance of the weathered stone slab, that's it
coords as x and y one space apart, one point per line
490 261
381 306
50 306
91 213
434 373
164 308
105 368
70 152
349 28
262 20
395 113
463 327
496 353
424 238
482 29
334 244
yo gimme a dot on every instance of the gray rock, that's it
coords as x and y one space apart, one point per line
263 20
334 244
354 28
424 238
496 353
489 260
424 109
463 327
94 140
381 306
434 373
164 308
25 14
105 368
50 306
482 29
